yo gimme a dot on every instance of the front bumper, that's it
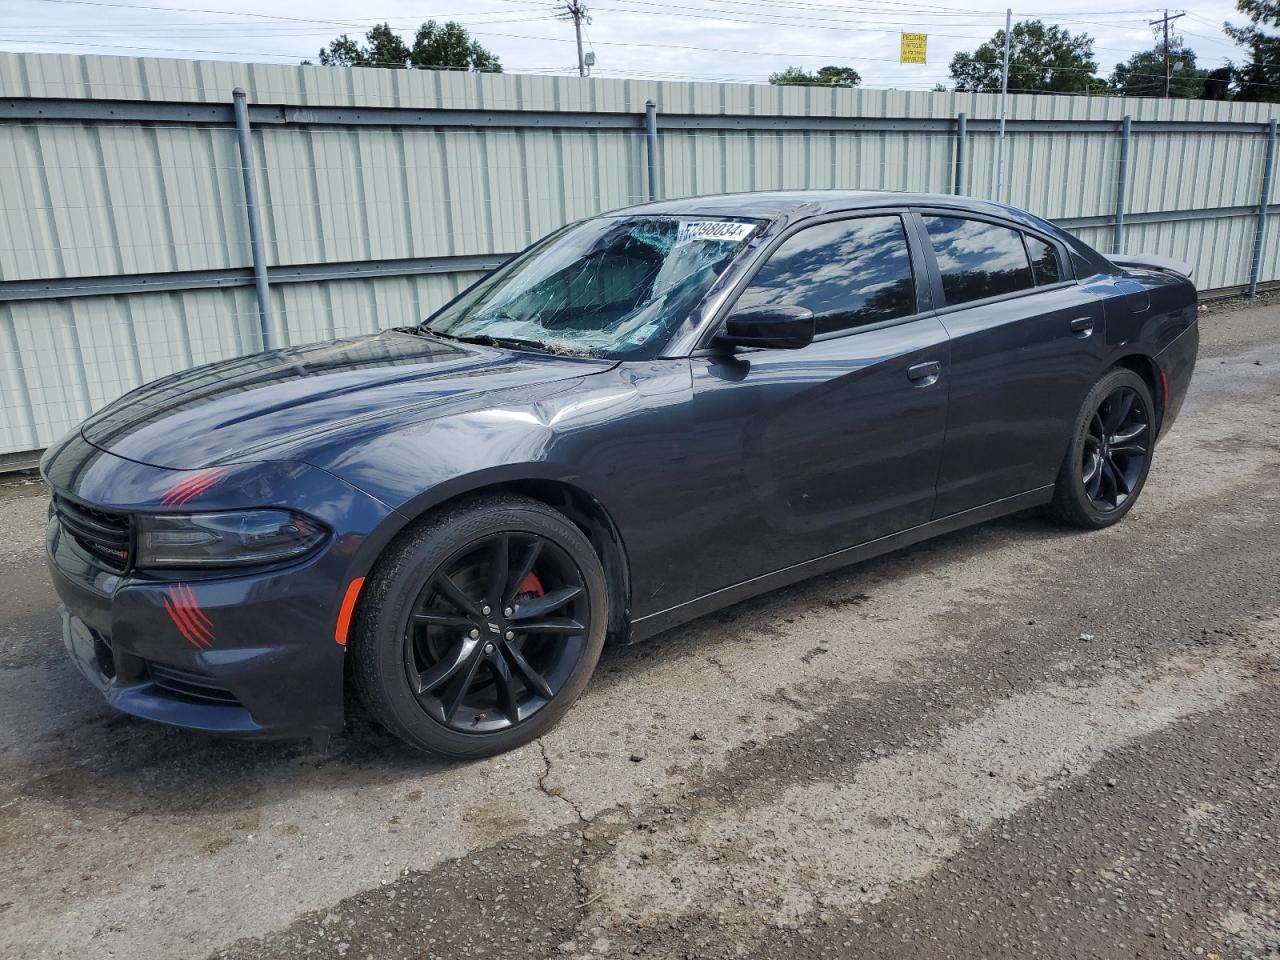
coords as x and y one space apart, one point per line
264 664
198 704
249 654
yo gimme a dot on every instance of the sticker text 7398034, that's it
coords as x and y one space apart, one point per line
725 230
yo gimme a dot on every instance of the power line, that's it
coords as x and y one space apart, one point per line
37 34
754 53
249 29
924 10
225 13
735 15
908 85
33 33
672 8
859 27
738 52
876 8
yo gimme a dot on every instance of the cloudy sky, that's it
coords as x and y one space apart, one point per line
733 40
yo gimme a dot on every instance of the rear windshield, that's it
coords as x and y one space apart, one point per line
612 287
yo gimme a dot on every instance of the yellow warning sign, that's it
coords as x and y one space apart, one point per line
913 47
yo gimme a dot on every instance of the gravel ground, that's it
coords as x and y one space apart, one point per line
1012 741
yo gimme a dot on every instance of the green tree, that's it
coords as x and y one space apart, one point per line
1041 60
451 46
1142 75
343 52
435 46
829 76
1259 78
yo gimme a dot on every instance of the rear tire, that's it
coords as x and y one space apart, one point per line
480 626
1109 454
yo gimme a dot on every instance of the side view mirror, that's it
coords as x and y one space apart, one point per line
778 327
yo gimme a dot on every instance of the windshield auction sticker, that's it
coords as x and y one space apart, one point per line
722 230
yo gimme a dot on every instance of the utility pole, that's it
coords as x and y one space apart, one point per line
576 11
1165 21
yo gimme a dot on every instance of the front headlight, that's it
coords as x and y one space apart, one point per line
233 538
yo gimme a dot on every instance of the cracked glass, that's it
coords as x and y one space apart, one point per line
610 287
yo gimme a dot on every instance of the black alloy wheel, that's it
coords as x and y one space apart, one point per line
480 626
1109 452
1117 447
496 632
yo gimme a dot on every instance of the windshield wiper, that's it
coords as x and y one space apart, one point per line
515 343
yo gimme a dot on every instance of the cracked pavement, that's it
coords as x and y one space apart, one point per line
1011 741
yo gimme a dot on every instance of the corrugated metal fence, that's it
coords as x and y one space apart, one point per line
125 248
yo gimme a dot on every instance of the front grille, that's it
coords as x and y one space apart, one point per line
108 537
187 685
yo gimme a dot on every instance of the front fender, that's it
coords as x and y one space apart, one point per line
625 429
417 466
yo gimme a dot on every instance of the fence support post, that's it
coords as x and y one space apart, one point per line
962 131
254 218
1259 233
1122 182
651 144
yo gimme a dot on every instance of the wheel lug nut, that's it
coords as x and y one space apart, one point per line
506 612
485 609
489 648
474 633
510 635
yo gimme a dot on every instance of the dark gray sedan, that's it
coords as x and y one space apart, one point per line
643 418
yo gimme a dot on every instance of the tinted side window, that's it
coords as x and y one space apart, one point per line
849 273
978 259
1044 261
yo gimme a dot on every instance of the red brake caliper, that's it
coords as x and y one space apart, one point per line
530 586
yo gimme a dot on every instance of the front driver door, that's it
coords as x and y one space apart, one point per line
816 449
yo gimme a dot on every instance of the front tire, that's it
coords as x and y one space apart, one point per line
1109 455
480 627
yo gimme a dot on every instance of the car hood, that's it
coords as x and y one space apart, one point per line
245 408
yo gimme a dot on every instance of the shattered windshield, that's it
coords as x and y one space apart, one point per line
609 286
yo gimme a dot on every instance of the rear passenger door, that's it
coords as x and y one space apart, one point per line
1025 343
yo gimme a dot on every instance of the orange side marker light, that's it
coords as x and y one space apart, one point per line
347 609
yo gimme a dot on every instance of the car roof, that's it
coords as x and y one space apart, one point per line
785 207
801 204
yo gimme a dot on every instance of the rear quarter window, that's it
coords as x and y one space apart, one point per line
1044 261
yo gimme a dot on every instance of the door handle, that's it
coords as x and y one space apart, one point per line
1081 327
923 374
